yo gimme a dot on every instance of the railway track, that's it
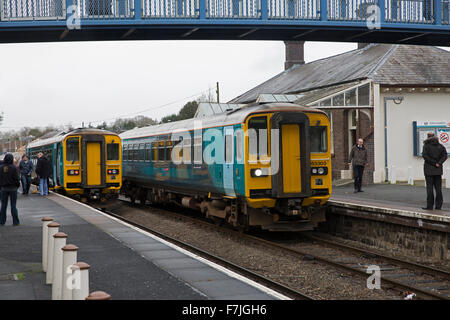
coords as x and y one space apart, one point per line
294 294
403 276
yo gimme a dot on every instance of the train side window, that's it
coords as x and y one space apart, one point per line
148 152
228 148
135 152
257 144
187 150
239 146
130 152
141 152
125 152
112 151
198 149
73 149
169 147
161 151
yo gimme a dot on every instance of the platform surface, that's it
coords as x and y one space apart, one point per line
396 199
125 263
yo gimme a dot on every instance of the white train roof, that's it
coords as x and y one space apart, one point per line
222 119
60 136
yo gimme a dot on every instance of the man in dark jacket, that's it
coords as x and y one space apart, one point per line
434 155
358 155
43 170
26 168
9 182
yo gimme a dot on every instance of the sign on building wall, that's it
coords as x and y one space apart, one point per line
441 130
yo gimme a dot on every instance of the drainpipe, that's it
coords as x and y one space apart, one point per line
397 100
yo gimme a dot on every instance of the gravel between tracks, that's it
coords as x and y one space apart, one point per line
311 277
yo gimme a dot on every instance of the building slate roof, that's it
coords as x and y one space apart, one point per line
383 63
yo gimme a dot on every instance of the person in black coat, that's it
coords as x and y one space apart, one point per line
9 182
43 170
434 155
26 168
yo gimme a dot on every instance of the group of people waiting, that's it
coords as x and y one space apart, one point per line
10 172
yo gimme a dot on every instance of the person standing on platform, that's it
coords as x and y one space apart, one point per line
358 155
26 168
9 182
43 169
434 155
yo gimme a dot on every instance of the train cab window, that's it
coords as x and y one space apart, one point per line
161 151
257 127
73 149
148 152
318 139
112 151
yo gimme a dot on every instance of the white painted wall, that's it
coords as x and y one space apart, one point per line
415 107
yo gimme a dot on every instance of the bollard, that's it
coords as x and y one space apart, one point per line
69 258
53 229
82 292
45 223
59 242
447 178
393 176
99 295
410 176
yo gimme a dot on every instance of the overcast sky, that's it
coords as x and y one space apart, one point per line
62 83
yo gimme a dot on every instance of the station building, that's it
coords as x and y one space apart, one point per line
389 95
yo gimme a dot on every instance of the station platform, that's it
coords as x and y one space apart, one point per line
395 202
127 263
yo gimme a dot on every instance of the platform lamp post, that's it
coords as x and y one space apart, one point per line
397 100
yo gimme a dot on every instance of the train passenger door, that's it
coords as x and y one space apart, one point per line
293 177
290 136
93 163
228 177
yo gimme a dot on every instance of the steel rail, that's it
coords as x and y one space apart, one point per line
426 294
294 294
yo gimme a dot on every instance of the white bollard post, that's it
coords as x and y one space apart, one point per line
53 229
393 175
82 292
45 223
98 295
69 258
410 176
447 178
59 242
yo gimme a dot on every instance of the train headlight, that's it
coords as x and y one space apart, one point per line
73 172
319 171
113 171
260 172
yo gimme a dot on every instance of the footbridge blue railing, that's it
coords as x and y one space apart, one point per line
419 16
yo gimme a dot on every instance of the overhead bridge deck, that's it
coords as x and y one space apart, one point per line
387 21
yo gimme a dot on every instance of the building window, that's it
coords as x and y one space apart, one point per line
338 100
330 118
364 95
352 121
350 97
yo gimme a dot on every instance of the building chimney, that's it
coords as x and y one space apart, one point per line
294 53
362 45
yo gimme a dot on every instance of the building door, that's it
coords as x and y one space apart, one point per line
93 164
290 136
